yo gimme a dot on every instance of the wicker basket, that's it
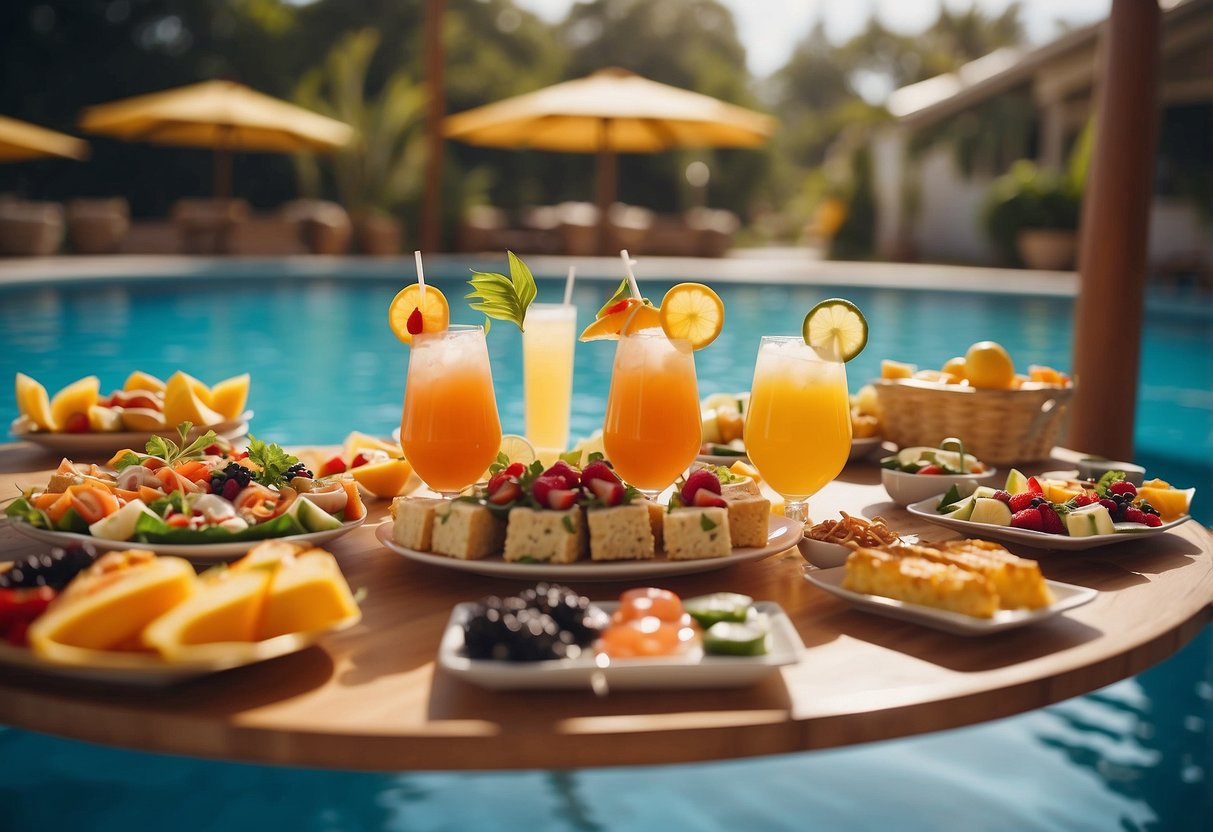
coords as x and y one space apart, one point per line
997 426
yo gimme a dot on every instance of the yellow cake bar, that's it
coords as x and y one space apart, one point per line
1017 580
917 580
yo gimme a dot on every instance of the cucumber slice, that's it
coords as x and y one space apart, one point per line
311 516
730 638
719 606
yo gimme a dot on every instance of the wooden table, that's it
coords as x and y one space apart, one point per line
371 698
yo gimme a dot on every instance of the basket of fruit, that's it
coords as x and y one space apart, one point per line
1001 416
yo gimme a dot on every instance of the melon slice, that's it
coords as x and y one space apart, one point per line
226 608
34 403
74 399
188 400
306 594
229 396
140 380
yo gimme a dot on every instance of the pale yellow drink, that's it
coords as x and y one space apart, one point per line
547 370
798 425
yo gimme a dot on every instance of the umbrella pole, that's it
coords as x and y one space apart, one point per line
607 175
223 165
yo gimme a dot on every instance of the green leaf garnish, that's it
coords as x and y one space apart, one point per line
271 459
706 523
127 460
567 522
624 291
501 297
173 452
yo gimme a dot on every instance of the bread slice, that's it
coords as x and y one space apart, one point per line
621 533
695 533
545 535
413 527
466 530
917 580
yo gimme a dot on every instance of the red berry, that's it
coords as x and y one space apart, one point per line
1034 487
1029 519
610 493
1021 501
1153 521
565 472
929 469
705 498
561 499
1050 523
359 461
1002 496
542 486
703 478
497 480
515 469
333 465
1122 487
415 321
1134 515
598 471
76 423
1110 505
507 492
1085 499
615 307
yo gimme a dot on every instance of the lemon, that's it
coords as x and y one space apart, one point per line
435 313
836 329
988 365
33 401
694 312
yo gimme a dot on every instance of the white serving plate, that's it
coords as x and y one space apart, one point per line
148 670
784 647
1057 542
1068 597
200 553
781 534
106 444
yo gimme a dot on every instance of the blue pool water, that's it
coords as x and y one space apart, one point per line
1134 756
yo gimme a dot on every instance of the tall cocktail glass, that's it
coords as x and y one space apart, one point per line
449 429
547 370
798 425
652 429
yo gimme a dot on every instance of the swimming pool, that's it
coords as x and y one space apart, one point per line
1133 756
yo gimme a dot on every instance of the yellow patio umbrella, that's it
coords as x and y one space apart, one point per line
20 140
611 111
222 115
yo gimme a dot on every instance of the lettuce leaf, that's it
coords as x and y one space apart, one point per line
150 529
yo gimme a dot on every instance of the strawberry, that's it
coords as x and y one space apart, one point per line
1153 521
706 498
598 471
610 493
1086 498
507 491
703 478
333 465
1020 501
1034 487
1029 519
415 321
616 307
565 472
561 499
358 461
1050 523
929 469
515 469
542 487
1134 515
1122 487
1002 496
497 480
76 423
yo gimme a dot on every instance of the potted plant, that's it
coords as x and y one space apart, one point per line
1032 216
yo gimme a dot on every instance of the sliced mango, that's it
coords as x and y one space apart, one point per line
229 396
308 593
140 380
74 399
1172 503
33 402
183 402
226 608
385 479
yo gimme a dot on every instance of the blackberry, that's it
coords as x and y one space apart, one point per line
233 472
546 622
54 569
298 470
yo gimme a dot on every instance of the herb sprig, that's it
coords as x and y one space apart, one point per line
501 297
173 452
271 460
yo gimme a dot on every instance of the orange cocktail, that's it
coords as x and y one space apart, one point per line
652 429
798 425
449 429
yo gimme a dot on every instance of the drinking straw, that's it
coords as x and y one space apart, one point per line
627 267
420 275
568 285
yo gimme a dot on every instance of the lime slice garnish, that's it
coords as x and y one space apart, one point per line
836 329
517 448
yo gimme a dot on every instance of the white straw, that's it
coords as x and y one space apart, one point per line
420 275
627 266
568 285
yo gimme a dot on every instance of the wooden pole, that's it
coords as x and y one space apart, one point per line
607 175
1115 231
435 59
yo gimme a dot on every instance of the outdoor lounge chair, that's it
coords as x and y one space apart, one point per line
30 229
97 226
206 226
323 227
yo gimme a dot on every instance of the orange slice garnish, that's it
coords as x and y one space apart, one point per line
633 317
435 313
693 312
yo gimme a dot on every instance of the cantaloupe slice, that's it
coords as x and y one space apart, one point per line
140 380
229 396
33 402
386 479
188 400
226 608
74 399
108 606
307 593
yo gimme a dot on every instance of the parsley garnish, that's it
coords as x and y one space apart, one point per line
172 452
271 460
501 297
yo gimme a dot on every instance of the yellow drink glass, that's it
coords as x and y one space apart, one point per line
449 428
798 425
652 430
547 371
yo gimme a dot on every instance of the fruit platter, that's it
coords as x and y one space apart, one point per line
566 523
197 498
80 420
550 637
134 617
1062 514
